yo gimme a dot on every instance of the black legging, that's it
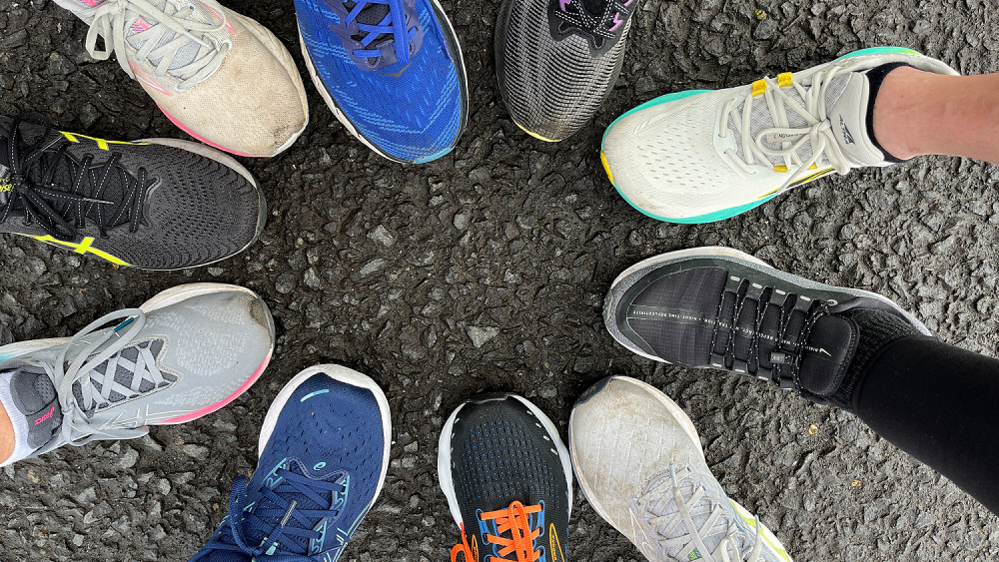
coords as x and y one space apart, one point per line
940 404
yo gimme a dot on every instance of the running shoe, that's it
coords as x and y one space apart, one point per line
702 156
507 477
640 465
324 451
185 353
390 70
219 76
158 204
557 60
722 309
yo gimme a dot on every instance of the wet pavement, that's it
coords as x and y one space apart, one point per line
486 270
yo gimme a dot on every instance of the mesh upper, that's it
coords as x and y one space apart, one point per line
551 87
198 211
415 115
499 455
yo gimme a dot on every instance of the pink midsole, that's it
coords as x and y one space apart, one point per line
217 406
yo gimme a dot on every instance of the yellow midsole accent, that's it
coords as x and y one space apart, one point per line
752 522
784 79
535 135
603 158
101 143
83 247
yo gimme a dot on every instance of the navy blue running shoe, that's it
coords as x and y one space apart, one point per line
391 71
324 450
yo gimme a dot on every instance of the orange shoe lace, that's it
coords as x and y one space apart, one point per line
517 522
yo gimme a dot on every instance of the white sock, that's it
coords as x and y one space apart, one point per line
21 449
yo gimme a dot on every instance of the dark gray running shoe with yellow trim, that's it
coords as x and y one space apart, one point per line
556 60
720 308
159 204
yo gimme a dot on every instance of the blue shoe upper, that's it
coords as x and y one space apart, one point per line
394 70
316 479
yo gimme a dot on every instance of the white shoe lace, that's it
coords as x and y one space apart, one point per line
652 508
818 130
82 369
110 22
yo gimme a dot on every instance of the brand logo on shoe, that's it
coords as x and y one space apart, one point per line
694 555
139 25
5 185
46 416
397 74
777 138
554 545
847 137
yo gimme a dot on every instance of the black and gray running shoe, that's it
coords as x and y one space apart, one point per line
556 60
507 477
158 204
720 308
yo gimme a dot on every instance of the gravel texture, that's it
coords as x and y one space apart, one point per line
486 271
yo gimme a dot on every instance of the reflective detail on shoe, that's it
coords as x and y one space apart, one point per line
83 247
316 393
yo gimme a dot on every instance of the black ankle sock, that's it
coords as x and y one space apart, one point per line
875 77
876 329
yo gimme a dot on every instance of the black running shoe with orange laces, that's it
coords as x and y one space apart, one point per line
508 481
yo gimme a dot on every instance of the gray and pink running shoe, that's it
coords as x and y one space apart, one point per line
185 353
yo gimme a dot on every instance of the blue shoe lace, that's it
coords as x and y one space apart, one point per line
394 22
283 521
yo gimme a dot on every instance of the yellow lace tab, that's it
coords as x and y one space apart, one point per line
784 79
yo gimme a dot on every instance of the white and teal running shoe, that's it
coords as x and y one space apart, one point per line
702 156
183 354
640 465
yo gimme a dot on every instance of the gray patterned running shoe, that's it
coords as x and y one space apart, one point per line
556 60
183 354
159 204
640 465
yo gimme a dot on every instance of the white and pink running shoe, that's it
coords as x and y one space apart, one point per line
221 77
185 353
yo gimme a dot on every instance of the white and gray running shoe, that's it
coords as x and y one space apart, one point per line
640 465
185 353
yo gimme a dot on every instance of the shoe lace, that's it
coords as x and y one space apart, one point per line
110 20
82 388
653 508
393 24
817 129
783 320
514 520
602 26
282 519
86 194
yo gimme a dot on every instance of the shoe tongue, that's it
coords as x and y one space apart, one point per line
827 354
35 398
848 116
185 55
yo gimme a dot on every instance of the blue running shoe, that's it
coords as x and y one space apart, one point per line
391 71
324 450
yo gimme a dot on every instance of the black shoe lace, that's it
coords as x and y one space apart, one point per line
777 333
60 202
